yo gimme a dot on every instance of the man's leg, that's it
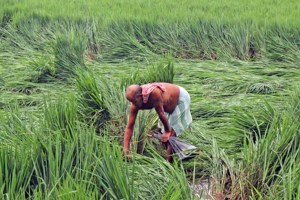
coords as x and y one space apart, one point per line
169 148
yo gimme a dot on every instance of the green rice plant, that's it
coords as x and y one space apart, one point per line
68 51
288 181
28 49
264 159
121 180
202 39
112 174
67 190
35 32
141 39
160 72
27 40
283 45
121 43
60 116
53 49
294 105
274 153
91 101
17 140
261 88
163 72
6 18
145 122
62 165
219 172
235 41
255 88
17 128
138 39
16 171
168 180
201 135
113 97
115 105
93 45
255 124
43 67
13 121
205 110
53 163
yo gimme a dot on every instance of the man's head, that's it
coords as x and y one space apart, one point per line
134 95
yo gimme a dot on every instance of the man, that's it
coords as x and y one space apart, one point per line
172 104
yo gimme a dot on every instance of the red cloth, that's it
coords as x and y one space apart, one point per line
148 88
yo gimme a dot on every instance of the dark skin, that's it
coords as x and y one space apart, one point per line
161 101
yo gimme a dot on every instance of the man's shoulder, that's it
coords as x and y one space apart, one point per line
133 108
156 93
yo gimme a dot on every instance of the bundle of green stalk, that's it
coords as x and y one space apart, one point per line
180 147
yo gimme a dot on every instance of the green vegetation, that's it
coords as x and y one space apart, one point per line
64 67
265 12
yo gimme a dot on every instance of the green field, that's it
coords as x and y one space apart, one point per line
265 12
64 68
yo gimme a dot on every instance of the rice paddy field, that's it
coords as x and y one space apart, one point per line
64 68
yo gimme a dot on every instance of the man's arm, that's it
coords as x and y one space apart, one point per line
129 127
161 114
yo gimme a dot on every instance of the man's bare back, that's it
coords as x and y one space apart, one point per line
168 98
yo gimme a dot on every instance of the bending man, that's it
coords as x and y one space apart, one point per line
172 104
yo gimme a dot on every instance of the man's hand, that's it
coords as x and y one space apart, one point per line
166 136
